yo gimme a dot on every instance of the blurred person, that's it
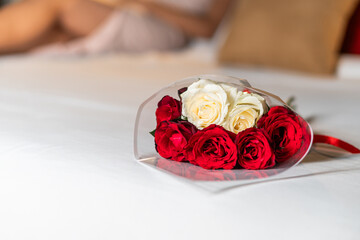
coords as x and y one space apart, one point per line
52 27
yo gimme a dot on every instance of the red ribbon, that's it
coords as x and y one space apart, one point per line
335 142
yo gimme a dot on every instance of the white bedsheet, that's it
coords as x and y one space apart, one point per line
67 169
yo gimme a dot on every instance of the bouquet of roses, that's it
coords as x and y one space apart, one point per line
216 126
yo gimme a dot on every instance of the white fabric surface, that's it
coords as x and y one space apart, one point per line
67 169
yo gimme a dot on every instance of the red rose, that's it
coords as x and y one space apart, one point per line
168 109
285 129
212 148
254 149
172 137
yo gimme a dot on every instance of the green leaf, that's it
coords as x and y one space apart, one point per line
153 132
291 102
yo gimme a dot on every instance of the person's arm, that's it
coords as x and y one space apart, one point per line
193 25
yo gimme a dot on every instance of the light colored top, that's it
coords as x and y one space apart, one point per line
127 30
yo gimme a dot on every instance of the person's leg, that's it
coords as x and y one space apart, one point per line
76 19
24 23
81 17
30 23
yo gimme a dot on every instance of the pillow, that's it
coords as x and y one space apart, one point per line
301 35
352 37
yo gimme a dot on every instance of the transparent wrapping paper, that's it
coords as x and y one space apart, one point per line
144 146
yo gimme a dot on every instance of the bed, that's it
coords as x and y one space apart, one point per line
67 168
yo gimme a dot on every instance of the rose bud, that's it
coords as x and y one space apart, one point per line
168 109
181 91
212 148
285 129
254 149
172 137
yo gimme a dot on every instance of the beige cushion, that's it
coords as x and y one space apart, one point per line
301 35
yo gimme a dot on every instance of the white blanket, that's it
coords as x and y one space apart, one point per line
67 169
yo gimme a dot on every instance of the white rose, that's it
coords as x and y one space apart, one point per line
206 102
231 92
246 110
